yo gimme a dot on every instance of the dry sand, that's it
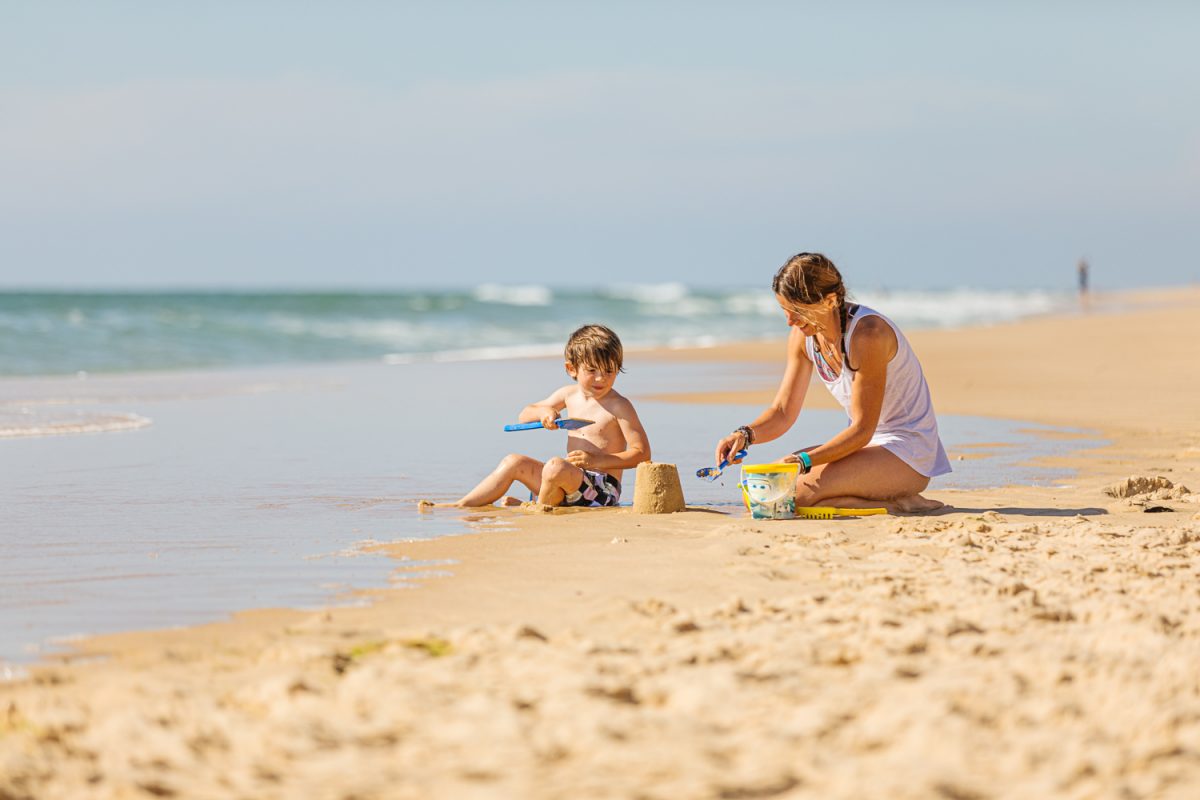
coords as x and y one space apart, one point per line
1030 642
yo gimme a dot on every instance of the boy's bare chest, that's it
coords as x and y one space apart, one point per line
604 433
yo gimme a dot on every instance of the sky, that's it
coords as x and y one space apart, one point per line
393 145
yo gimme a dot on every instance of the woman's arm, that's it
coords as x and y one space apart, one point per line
778 417
872 347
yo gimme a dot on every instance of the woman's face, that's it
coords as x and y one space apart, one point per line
808 317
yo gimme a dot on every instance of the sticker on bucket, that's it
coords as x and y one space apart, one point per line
770 490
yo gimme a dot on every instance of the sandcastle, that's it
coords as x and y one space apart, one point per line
656 489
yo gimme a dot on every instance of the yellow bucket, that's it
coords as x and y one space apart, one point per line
769 490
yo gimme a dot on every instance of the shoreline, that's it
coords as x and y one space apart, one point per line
1035 641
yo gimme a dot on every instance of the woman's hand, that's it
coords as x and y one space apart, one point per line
729 446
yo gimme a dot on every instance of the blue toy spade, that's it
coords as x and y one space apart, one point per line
567 424
712 473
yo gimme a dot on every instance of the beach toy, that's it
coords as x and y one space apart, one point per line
656 489
770 490
566 424
829 512
712 473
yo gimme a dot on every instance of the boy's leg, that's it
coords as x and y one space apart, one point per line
559 478
513 467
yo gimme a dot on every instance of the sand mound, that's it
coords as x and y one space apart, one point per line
657 490
1137 485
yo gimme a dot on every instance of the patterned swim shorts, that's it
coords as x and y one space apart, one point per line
597 489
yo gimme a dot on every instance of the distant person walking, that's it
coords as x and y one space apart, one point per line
1081 273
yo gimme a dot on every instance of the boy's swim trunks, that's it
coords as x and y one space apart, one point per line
597 489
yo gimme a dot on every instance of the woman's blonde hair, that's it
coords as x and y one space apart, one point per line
807 278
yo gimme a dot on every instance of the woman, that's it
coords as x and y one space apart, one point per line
891 448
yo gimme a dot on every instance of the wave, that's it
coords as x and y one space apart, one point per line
478 354
513 295
956 308
65 333
648 293
25 422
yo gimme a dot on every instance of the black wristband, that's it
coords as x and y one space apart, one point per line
747 431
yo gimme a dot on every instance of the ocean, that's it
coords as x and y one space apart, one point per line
169 459
63 333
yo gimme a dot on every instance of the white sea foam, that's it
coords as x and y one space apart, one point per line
752 303
501 352
649 293
958 307
687 307
513 295
389 331
28 422
497 353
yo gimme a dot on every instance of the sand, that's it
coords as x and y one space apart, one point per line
1028 642
658 489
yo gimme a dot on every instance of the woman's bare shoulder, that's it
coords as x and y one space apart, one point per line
873 333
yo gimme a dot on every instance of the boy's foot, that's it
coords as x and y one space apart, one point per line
425 506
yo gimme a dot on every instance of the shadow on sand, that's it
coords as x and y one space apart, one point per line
1017 511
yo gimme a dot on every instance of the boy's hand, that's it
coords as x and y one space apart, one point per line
550 421
580 458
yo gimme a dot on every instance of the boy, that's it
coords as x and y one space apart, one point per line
597 454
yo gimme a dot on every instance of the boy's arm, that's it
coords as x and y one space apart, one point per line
546 411
637 445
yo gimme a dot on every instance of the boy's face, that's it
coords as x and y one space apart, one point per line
593 381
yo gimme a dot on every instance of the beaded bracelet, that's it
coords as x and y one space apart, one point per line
746 431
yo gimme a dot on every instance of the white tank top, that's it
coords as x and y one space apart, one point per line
907 426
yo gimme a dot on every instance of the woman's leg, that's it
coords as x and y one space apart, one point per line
513 467
559 478
873 476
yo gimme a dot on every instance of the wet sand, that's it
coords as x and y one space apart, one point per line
1028 642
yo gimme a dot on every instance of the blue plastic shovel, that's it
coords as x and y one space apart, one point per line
567 424
712 473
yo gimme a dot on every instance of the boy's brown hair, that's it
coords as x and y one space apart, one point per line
595 346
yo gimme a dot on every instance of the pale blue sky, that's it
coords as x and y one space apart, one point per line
388 145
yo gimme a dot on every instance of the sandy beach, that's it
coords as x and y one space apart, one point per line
1025 642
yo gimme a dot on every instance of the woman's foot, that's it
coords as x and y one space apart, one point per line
915 504
511 502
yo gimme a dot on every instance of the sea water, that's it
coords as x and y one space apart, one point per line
270 487
62 333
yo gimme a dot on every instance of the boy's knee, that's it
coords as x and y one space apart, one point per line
555 468
513 460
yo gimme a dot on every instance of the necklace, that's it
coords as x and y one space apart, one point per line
827 355
828 361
